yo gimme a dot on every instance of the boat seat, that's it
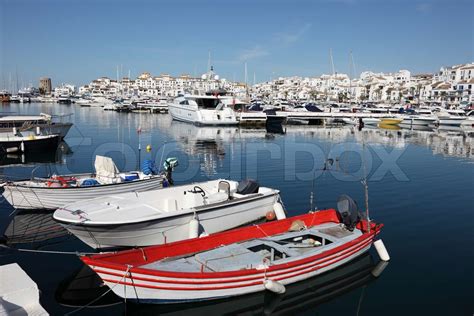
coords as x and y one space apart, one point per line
192 200
224 186
217 197
229 258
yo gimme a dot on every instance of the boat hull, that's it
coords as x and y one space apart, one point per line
30 146
451 121
28 197
418 121
202 116
165 230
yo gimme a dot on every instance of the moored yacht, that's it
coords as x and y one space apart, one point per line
202 110
451 117
44 124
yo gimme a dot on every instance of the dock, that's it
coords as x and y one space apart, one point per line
303 115
19 294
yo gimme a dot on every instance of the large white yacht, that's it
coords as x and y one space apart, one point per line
203 110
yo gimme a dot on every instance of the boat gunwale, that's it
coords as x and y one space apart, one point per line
180 213
12 184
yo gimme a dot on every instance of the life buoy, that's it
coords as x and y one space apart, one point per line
63 182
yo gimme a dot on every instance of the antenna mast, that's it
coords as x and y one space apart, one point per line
366 186
332 62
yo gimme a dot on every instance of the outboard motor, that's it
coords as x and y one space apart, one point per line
248 186
169 165
349 211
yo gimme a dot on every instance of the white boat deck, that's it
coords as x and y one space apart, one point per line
142 206
251 254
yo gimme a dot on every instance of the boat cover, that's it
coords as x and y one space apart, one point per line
105 169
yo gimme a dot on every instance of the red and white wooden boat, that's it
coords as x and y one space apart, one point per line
246 260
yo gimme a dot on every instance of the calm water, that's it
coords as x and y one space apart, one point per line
420 183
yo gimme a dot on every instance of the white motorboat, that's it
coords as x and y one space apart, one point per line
83 102
100 101
168 215
43 124
59 190
422 120
154 106
451 118
202 110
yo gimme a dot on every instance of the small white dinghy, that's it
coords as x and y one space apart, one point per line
59 190
167 215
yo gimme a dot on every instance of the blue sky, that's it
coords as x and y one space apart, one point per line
77 41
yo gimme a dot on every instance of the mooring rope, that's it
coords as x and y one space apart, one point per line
77 253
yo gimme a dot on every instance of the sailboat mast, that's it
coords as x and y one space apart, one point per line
350 77
332 62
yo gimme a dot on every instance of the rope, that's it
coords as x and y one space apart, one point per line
52 251
260 228
98 298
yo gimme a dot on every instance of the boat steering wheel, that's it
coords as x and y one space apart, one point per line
197 189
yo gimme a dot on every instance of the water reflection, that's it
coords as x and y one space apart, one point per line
209 145
447 143
32 226
82 287
13 159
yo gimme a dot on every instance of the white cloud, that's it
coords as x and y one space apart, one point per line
290 38
252 53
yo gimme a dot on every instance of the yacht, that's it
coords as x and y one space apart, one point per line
451 117
206 109
44 124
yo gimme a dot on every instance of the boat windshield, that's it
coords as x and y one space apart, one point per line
207 103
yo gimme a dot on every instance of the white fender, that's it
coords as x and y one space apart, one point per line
38 130
274 286
193 228
279 212
22 147
381 250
